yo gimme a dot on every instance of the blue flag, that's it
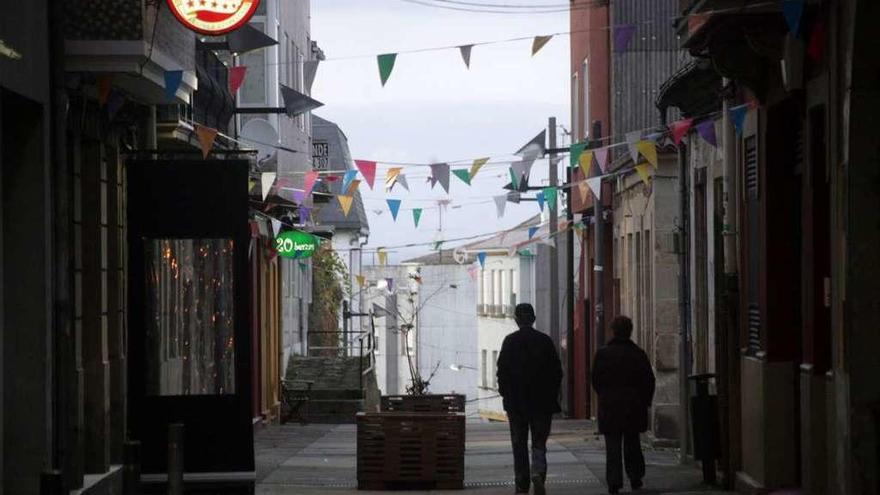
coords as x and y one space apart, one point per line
346 180
482 257
540 198
793 11
173 78
738 116
394 206
532 231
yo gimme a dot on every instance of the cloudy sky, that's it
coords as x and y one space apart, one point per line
433 109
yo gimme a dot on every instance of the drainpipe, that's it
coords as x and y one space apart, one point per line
683 303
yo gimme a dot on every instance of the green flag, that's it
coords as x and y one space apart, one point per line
464 175
386 65
550 194
417 215
575 154
514 181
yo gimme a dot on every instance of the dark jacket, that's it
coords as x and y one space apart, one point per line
624 380
529 373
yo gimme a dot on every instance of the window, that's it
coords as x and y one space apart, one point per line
485 381
494 369
253 90
585 71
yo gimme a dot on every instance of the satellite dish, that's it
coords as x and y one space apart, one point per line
460 255
259 134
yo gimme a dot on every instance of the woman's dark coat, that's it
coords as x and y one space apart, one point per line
624 380
529 373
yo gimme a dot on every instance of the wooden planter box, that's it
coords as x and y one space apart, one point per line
452 403
410 451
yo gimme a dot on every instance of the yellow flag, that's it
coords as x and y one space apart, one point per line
539 43
361 280
478 164
207 136
649 150
345 204
644 172
251 184
586 162
383 258
391 178
584 191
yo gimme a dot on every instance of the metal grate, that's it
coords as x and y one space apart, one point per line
751 166
754 327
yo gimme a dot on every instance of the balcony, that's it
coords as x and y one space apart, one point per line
127 39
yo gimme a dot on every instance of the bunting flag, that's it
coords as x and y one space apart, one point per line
236 78
696 21
539 43
173 78
648 149
478 164
472 272
532 232
311 178
551 195
632 141
115 102
276 227
586 162
391 177
361 280
601 156
464 175
206 136
679 129
440 173
310 70
296 103
595 184
793 11
583 190
706 130
105 83
540 198
299 196
574 154
347 179
534 148
482 257
383 258
514 181
738 116
623 35
345 203
368 170
417 216
394 206
644 172
401 179
386 65
521 171
466 54
266 181
251 185
816 46
500 204
304 214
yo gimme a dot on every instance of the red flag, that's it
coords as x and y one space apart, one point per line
368 170
311 178
679 129
206 137
816 47
236 78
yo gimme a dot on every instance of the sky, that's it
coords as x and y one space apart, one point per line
433 109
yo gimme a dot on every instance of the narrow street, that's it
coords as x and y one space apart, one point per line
322 459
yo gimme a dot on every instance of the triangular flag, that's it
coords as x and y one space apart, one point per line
433 182
417 216
347 179
539 43
500 204
482 257
521 171
816 46
236 78
679 129
532 232
251 184
440 173
464 175
706 130
696 21
173 78
276 226
296 103
478 164
574 154
394 206
550 195
632 141
345 203
472 272
623 35
466 54
648 149
368 170
304 214
310 70
104 86
401 179
386 65
361 280
391 177
311 178
535 148
514 180
266 181
586 162
793 11
383 258
206 137
595 184
583 190
353 187
644 172
601 155
541 199
738 116
299 196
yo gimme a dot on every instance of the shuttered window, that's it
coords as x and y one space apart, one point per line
750 156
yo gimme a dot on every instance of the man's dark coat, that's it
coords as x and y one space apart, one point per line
623 378
529 373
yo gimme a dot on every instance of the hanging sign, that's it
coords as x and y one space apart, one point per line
213 18
296 244
320 155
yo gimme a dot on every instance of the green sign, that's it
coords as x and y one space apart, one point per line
296 244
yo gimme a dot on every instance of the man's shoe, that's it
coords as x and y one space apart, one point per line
521 490
614 489
538 484
637 485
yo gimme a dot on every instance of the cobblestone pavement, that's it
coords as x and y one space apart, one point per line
293 459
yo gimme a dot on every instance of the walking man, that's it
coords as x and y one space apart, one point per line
624 381
529 377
